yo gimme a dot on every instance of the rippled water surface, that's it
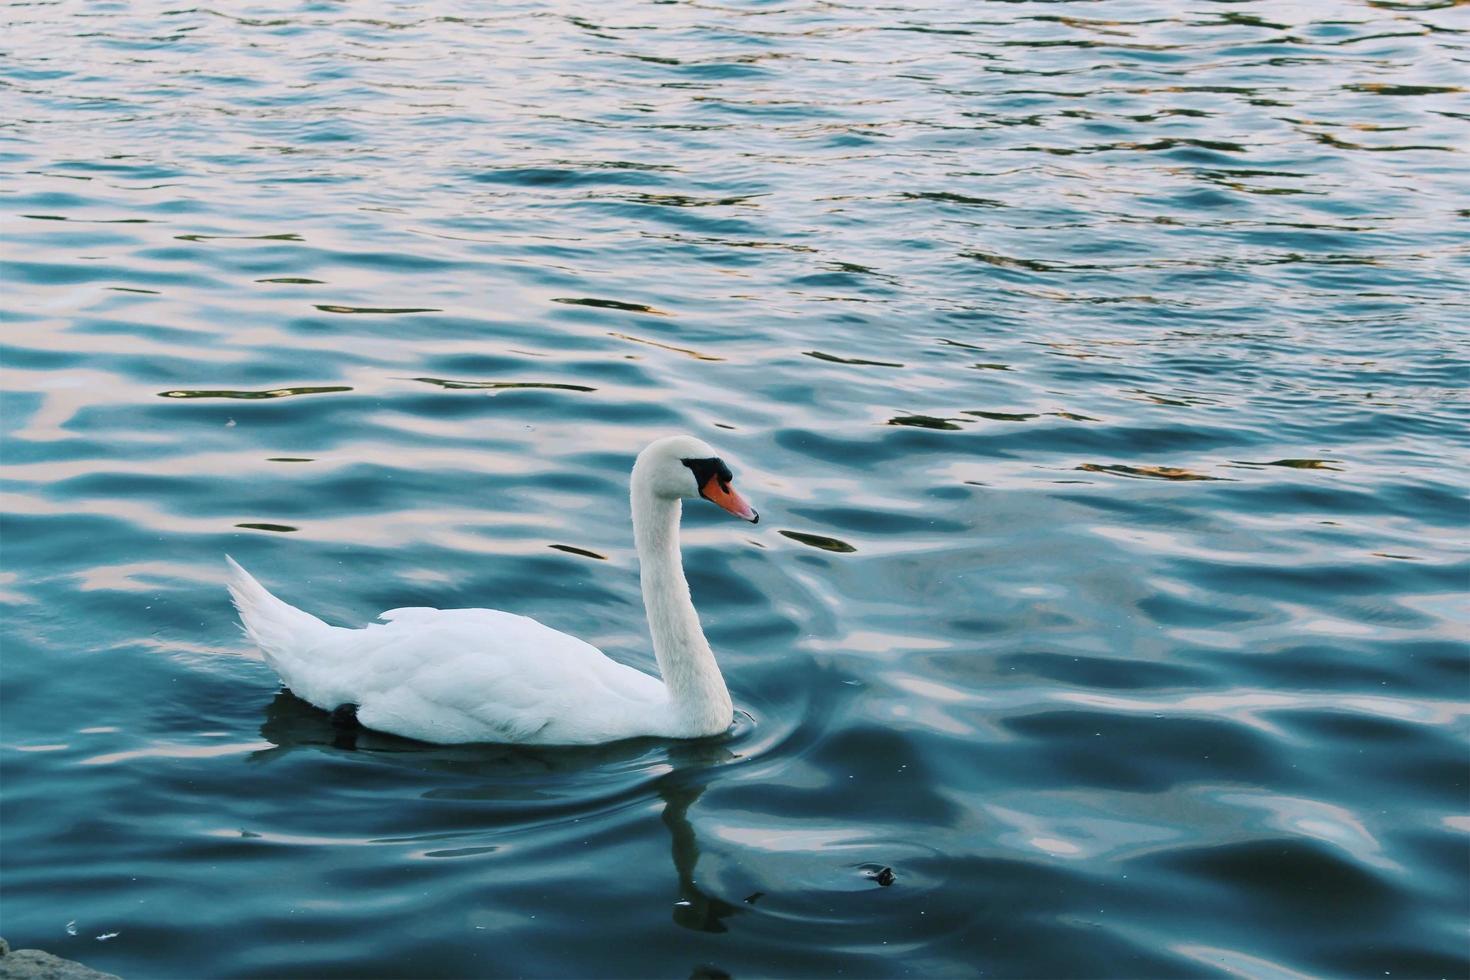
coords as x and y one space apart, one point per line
1098 369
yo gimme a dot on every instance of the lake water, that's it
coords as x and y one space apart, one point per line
1098 370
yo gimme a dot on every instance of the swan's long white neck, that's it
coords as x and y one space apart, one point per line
697 695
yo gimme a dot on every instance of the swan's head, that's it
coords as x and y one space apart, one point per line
683 468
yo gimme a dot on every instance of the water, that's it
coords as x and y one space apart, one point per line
1098 371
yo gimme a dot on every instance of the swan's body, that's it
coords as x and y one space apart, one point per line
482 675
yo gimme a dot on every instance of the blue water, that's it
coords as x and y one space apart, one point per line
1099 371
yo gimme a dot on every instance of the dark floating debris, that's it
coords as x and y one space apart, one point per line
282 528
288 237
498 385
271 393
331 308
884 877
923 422
85 221
986 366
290 459
1182 401
1304 464
1149 472
754 897
819 541
1385 554
608 304
1004 416
856 269
294 281
848 360
677 350
947 197
1010 261
1383 88
569 549
130 289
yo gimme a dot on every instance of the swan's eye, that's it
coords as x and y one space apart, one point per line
705 470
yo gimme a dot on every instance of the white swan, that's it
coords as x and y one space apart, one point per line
481 675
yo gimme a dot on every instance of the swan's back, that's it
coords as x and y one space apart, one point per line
452 675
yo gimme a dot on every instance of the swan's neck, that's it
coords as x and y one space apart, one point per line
697 695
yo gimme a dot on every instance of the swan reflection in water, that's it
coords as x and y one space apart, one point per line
517 777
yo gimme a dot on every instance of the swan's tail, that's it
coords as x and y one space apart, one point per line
279 629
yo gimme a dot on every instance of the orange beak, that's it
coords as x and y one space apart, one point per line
726 497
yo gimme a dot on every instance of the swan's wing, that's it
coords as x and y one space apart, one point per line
456 675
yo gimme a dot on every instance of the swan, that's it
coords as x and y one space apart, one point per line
482 675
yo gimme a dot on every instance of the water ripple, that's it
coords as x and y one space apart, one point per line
1101 376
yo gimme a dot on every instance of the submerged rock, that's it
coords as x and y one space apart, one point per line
33 964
